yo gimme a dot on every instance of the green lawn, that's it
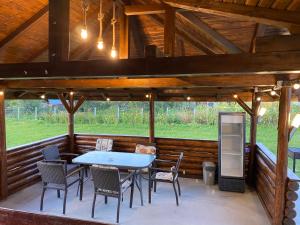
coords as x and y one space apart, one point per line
22 132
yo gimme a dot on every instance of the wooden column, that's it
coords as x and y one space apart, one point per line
59 38
71 109
124 40
151 119
3 158
282 155
169 32
253 130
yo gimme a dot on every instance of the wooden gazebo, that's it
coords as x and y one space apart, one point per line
168 50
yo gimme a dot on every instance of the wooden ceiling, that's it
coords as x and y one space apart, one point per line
24 39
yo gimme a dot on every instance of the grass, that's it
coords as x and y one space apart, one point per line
26 131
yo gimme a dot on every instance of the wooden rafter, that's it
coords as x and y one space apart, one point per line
169 32
210 35
135 10
23 27
244 106
138 35
275 17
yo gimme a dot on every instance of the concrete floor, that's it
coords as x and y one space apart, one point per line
199 205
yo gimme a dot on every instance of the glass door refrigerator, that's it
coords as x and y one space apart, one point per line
231 151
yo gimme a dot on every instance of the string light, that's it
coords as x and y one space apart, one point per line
43 96
258 99
71 93
235 96
108 99
273 92
188 98
84 32
100 43
296 86
113 23
147 96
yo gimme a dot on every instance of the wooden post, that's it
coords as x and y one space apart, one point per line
150 51
59 38
3 158
124 40
282 155
169 32
151 119
253 129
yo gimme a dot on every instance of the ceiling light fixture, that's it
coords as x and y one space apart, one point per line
84 32
113 23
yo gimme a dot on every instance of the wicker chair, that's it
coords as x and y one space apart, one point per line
54 176
166 176
51 154
104 144
107 182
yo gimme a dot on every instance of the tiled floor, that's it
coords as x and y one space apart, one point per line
199 205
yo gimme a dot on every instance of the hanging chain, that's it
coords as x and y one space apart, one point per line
113 23
100 18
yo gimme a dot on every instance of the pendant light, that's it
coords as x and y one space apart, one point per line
84 32
113 23
100 43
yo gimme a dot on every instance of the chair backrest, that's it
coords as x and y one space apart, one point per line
178 162
145 149
106 179
53 173
104 144
51 152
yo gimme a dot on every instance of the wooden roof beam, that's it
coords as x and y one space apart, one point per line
210 35
277 63
136 10
274 17
23 27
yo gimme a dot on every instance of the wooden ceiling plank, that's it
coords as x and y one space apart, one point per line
211 35
268 16
135 10
23 27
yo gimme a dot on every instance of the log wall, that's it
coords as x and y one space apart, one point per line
265 184
21 162
14 217
195 151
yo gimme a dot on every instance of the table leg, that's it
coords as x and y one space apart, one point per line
81 184
294 164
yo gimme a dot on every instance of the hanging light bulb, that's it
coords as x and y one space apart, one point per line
258 99
1 93
113 52
113 23
108 99
235 96
188 98
43 96
147 96
84 31
273 92
100 43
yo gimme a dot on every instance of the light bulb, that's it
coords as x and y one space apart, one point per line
296 86
273 93
262 111
258 99
113 53
235 96
1 93
188 98
71 93
147 96
100 45
108 99
84 33
43 96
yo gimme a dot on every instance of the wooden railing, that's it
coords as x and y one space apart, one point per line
15 217
21 162
265 184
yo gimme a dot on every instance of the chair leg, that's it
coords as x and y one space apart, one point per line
175 193
155 183
179 189
131 192
65 201
149 191
42 199
105 199
118 210
58 193
93 207
141 189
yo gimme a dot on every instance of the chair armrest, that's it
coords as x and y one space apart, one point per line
74 172
127 177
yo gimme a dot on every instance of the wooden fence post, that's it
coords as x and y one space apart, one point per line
3 157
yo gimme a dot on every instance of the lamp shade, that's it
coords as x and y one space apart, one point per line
296 121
